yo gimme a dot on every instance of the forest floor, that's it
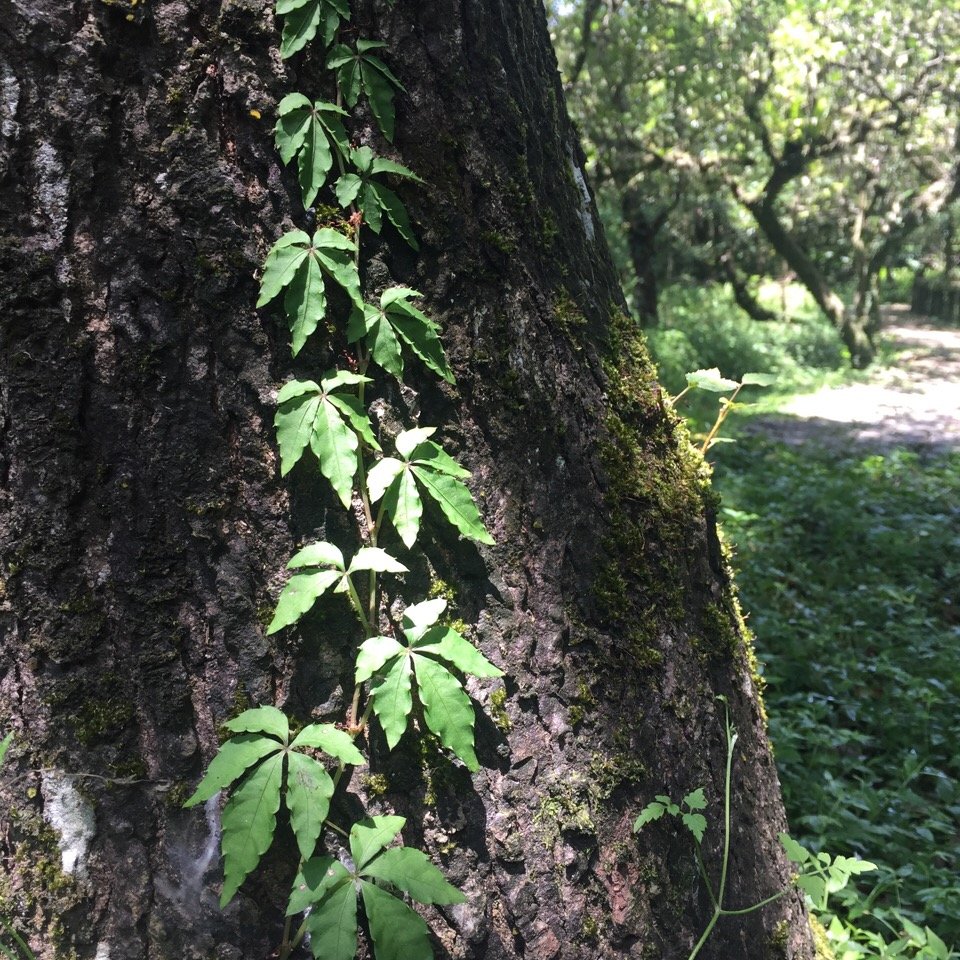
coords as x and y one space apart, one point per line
842 507
913 404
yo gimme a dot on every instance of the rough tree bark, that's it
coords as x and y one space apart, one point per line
144 527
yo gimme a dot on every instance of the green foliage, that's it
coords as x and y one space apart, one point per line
297 265
328 888
373 198
696 823
360 71
330 423
311 132
320 567
425 661
261 767
304 18
398 320
423 465
849 564
263 764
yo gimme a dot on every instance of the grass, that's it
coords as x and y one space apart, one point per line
849 566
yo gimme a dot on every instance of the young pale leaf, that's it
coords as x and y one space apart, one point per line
418 616
652 811
374 653
446 643
393 701
760 379
5 745
233 759
398 932
447 709
711 380
326 737
299 595
408 440
370 835
265 719
455 501
696 800
382 475
696 823
309 789
318 554
412 872
318 878
332 925
377 559
249 820
814 887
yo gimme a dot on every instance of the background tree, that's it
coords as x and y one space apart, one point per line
832 130
145 528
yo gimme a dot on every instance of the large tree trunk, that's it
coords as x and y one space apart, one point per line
144 526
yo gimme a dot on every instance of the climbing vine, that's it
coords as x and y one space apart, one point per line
409 665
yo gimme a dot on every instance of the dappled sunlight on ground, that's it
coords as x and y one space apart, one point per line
913 404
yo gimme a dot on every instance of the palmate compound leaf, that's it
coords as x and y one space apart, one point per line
304 18
328 889
373 197
320 567
432 651
424 466
254 761
299 265
311 132
315 415
397 321
361 70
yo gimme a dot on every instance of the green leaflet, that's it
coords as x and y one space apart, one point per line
333 924
329 890
311 132
254 762
305 17
309 789
398 932
374 198
311 414
233 759
361 71
299 264
424 467
320 567
5 745
248 822
432 650
382 330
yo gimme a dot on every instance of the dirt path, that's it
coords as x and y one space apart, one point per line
913 404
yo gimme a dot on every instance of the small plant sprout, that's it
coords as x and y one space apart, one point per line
819 876
712 381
